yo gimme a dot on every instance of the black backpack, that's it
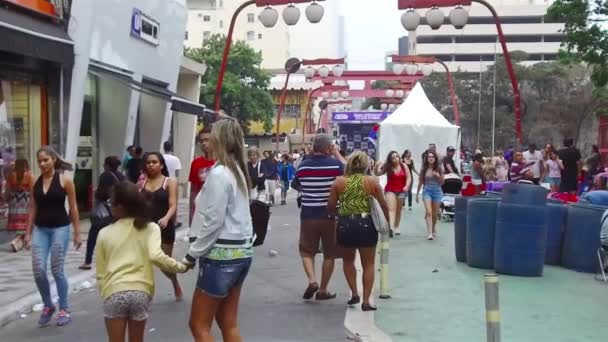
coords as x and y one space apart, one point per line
260 216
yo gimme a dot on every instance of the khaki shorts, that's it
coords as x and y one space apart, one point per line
313 231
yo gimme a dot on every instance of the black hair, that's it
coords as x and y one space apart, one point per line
134 202
112 163
138 150
130 147
161 159
568 142
388 165
404 154
168 146
425 164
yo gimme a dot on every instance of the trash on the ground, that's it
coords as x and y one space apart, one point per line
286 224
85 285
152 330
23 315
435 271
37 307
272 253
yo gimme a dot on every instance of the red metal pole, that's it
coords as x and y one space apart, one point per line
281 106
220 79
505 51
452 94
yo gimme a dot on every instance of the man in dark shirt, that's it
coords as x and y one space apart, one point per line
449 166
134 165
571 158
314 179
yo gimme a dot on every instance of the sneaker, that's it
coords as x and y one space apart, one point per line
46 315
63 318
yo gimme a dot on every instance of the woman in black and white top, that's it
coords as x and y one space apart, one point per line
256 173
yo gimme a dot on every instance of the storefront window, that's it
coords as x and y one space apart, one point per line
19 101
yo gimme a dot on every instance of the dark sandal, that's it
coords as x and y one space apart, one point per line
85 267
354 300
310 291
325 296
368 307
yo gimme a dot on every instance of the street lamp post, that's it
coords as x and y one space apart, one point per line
430 60
459 17
268 17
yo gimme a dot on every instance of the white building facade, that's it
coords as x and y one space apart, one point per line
277 44
473 48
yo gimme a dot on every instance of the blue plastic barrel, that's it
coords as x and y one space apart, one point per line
582 237
494 194
520 240
460 228
557 212
481 224
524 194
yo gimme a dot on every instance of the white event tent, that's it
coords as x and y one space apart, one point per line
415 125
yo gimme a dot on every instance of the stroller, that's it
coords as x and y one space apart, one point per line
451 187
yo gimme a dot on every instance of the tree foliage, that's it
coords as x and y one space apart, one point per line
557 100
586 35
245 93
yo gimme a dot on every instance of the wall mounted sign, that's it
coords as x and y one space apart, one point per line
144 27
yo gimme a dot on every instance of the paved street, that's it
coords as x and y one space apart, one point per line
271 306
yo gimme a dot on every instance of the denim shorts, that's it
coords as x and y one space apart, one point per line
432 193
217 277
554 180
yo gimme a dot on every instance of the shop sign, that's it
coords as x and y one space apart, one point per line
359 116
144 27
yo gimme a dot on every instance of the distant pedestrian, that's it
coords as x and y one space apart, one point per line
518 168
174 165
594 161
271 177
501 166
398 180
409 162
102 216
129 153
534 159
162 190
449 166
314 179
254 167
199 168
571 158
553 171
431 179
477 173
18 189
223 229
286 173
135 165
126 251
356 229
49 234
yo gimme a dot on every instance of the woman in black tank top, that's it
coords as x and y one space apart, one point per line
49 233
162 192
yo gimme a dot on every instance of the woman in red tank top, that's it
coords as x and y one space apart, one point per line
398 180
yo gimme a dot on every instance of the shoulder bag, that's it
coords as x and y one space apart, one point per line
380 223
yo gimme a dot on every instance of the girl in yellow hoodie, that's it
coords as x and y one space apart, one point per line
126 251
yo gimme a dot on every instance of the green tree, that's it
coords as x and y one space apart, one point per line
245 93
586 36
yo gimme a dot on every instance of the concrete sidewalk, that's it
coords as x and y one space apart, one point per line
435 298
18 292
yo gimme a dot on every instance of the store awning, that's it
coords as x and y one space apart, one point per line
178 103
27 35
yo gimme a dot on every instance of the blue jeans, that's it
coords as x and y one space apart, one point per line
217 277
53 241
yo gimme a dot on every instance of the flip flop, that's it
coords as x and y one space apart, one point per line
85 267
310 290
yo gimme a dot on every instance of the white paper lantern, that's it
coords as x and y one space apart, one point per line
324 71
427 70
390 93
459 17
314 12
348 107
435 18
383 106
391 107
325 95
335 95
411 69
269 17
344 94
310 72
291 15
338 71
399 93
410 20
398 68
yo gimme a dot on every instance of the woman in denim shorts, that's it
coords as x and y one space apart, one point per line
223 243
431 177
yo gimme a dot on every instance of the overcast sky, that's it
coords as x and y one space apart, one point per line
373 28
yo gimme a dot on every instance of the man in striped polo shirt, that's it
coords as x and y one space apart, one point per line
314 179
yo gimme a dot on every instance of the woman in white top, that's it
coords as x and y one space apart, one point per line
222 223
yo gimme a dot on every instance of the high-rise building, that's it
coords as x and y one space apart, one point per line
524 23
277 44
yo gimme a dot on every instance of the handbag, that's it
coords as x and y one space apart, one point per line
101 212
375 209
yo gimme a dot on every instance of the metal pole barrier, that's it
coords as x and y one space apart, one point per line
492 308
384 248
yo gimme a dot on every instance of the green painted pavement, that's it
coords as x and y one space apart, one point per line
449 304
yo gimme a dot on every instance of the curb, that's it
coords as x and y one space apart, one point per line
13 311
359 325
